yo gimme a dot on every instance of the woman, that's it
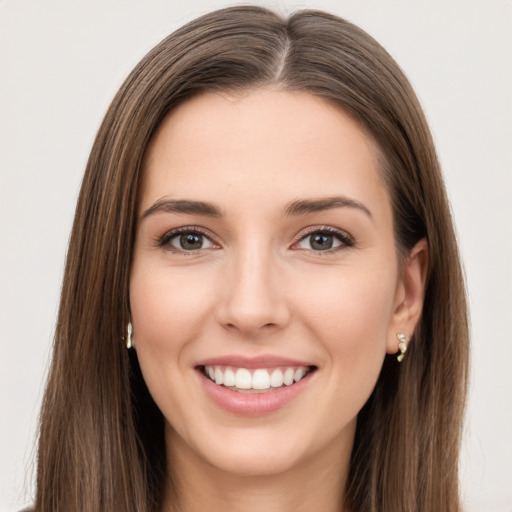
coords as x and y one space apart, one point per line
262 231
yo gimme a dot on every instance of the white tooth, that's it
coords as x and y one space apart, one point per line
218 376
299 373
229 378
243 379
276 379
288 376
211 372
260 379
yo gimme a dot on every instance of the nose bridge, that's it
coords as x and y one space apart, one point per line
253 298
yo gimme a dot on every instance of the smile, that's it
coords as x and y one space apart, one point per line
254 386
256 380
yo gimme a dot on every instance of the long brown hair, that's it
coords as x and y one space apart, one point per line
101 444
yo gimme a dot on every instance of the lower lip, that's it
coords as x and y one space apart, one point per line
253 404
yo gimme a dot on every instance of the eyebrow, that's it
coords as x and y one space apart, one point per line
303 206
296 207
184 206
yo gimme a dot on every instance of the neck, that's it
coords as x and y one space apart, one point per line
317 483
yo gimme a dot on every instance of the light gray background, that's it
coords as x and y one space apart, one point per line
62 61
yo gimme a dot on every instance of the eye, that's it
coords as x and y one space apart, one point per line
186 240
325 239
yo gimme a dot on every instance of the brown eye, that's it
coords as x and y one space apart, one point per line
190 242
186 241
321 242
325 240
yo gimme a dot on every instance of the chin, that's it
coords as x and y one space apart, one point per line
243 452
256 462
266 449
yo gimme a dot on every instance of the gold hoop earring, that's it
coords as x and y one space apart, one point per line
404 341
129 340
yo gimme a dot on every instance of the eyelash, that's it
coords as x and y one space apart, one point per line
189 230
346 240
342 236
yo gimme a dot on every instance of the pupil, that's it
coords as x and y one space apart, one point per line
190 241
321 242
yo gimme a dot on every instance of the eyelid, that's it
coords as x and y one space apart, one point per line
163 241
344 237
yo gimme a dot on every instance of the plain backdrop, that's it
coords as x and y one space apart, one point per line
61 62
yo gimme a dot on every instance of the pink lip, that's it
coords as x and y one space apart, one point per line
253 404
265 361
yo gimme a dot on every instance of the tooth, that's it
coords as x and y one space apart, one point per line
299 373
243 379
288 376
229 378
260 379
276 379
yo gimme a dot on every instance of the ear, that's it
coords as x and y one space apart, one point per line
409 295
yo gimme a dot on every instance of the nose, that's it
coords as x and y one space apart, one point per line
253 300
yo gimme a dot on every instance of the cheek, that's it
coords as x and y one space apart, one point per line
168 307
350 312
346 313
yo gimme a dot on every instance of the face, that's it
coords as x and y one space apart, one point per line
265 289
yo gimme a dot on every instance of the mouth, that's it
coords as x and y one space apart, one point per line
255 386
255 380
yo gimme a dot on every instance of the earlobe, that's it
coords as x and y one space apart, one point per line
409 295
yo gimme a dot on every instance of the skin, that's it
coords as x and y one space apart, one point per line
257 286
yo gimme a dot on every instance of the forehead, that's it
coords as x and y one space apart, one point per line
267 143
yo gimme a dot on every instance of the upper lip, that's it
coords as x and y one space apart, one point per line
263 361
